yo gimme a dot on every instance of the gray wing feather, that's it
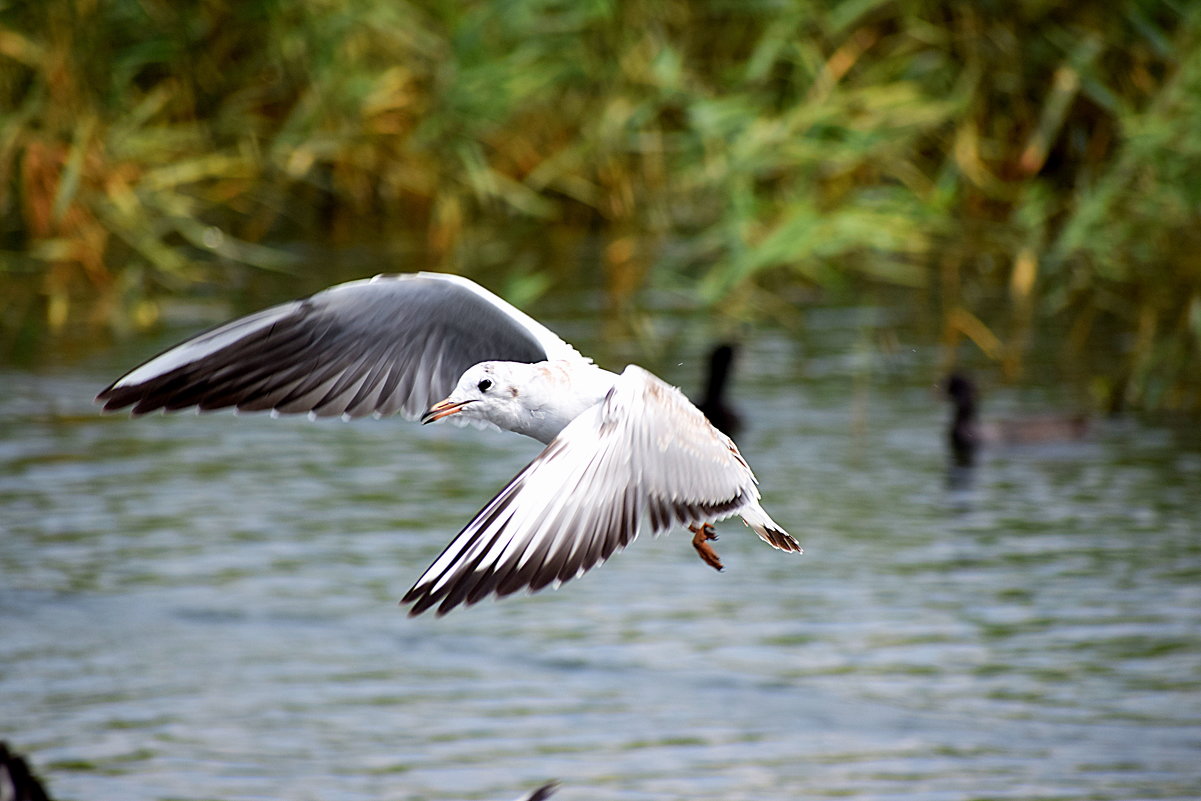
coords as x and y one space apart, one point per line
388 344
644 451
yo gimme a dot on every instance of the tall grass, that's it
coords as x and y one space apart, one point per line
1043 153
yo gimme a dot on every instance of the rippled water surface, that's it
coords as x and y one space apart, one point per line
205 607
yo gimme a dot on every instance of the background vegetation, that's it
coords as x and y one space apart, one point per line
1018 163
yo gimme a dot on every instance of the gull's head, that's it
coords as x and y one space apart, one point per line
489 391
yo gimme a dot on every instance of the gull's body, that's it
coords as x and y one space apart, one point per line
620 447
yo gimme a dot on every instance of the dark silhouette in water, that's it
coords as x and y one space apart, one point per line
967 434
963 433
713 402
17 781
542 793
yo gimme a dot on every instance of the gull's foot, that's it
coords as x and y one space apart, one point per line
700 540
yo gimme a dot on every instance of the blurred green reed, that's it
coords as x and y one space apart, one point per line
1043 155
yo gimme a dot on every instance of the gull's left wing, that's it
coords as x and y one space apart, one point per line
376 346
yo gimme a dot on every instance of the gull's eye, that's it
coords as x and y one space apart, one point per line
484 385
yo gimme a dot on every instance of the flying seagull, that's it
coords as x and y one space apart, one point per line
620 448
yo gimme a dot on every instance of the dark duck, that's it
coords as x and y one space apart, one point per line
713 401
967 434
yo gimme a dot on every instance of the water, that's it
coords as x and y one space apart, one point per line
204 607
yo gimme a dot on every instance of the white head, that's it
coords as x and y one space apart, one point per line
490 391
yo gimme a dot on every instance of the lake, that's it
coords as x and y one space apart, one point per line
205 606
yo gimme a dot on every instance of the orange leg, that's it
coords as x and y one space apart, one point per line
700 540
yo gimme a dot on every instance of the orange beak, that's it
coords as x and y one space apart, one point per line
443 409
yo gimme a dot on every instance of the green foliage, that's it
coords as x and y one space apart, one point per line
1039 149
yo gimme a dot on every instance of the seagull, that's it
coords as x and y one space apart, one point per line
621 448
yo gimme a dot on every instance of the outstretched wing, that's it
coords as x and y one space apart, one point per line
376 346
644 450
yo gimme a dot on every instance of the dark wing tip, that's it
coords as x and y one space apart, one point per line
115 398
420 600
423 599
543 792
105 396
461 592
